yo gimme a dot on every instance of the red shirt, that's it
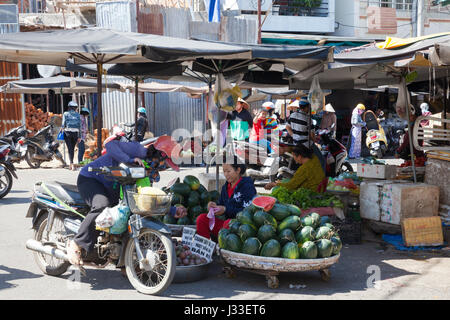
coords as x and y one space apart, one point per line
257 132
230 189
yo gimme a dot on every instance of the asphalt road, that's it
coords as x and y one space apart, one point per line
401 275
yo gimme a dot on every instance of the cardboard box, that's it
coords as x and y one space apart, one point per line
422 231
376 171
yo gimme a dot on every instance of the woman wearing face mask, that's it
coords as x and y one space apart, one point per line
237 193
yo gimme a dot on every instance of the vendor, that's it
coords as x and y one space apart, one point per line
309 175
241 121
237 193
403 150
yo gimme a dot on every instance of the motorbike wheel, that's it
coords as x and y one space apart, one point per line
49 264
160 248
346 167
6 182
34 164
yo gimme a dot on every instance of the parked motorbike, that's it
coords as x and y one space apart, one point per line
42 147
335 154
375 137
145 249
7 171
16 138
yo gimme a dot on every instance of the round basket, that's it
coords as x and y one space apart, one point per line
191 273
149 205
247 261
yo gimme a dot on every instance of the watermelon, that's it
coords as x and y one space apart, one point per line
233 243
287 235
265 203
192 182
177 199
324 220
246 231
271 248
294 210
262 217
251 208
324 248
316 219
329 225
195 212
234 226
337 245
202 189
291 222
323 233
308 250
266 232
168 219
193 199
305 234
215 195
251 246
181 188
245 217
290 251
307 221
280 211
205 198
184 221
221 236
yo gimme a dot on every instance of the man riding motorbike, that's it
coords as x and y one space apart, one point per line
99 193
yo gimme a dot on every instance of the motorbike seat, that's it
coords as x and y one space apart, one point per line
65 192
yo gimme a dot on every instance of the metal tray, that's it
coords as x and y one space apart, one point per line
191 273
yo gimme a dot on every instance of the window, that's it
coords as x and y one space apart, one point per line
397 4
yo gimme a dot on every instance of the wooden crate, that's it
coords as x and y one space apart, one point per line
422 231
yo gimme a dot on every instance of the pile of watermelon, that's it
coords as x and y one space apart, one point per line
192 195
280 232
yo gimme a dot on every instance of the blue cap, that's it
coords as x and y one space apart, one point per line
142 110
86 110
304 101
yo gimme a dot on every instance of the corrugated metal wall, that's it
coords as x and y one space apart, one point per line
12 113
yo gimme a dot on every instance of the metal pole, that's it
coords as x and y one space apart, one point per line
419 18
208 105
409 131
259 21
99 108
154 113
136 102
218 132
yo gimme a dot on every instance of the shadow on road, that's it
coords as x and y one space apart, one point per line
15 200
13 274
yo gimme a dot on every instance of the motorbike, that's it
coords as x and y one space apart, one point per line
375 137
144 249
42 147
7 171
335 154
16 138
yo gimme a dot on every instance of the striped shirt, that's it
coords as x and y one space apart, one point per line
298 121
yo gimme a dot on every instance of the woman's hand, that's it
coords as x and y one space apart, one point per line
221 210
181 212
270 185
139 162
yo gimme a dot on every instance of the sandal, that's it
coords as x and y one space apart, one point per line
74 253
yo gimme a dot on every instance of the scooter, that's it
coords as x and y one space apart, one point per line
16 138
143 246
7 171
375 137
42 147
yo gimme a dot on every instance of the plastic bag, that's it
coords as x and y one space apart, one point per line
402 102
316 96
227 97
113 220
60 136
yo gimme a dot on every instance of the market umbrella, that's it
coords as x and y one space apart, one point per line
102 46
59 84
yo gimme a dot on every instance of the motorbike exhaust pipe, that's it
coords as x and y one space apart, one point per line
34 245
